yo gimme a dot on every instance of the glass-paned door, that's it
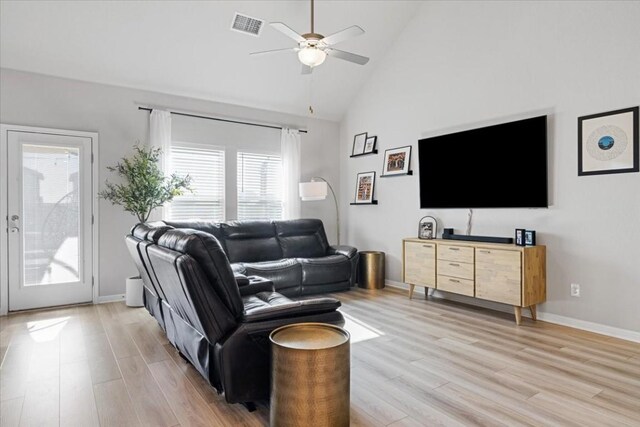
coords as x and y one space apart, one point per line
49 217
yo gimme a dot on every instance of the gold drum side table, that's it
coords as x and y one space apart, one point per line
310 376
371 270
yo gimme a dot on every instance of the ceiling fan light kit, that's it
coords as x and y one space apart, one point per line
314 48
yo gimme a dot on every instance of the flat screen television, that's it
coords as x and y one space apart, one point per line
499 166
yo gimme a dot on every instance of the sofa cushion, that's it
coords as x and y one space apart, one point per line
206 250
284 273
327 269
210 227
250 241
302 238
270 305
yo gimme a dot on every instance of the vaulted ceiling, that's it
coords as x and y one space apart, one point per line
186 48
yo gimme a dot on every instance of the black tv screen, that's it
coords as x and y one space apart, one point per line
500 166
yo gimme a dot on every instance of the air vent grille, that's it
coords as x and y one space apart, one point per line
246 24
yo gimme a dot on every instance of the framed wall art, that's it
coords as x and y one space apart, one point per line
370 144
396 161
365 185
608 142
359 142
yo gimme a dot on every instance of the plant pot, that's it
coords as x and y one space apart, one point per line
133 296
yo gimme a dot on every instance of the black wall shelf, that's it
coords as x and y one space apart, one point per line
373 202
397 174
365 154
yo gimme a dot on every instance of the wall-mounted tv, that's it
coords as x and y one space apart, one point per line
500 166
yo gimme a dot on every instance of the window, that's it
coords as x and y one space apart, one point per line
259 186
205 165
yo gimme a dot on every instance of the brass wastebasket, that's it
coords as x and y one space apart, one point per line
310 376
371 270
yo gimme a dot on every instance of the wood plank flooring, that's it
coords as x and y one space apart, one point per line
414 363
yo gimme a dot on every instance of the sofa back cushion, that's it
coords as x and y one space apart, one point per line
251 241
302 238
210 227
206 250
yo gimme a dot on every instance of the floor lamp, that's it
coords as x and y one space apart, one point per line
317 190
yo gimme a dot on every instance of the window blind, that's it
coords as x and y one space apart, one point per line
259 186
205 166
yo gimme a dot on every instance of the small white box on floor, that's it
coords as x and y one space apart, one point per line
134 292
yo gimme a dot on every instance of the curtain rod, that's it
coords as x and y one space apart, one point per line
221 120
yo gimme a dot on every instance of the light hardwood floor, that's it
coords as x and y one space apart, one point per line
414 362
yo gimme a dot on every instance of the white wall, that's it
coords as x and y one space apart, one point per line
37 100
461 64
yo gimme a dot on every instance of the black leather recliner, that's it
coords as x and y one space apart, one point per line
219 321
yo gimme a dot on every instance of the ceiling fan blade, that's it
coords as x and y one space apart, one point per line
306 69
347 56
264 52
287 31
343 35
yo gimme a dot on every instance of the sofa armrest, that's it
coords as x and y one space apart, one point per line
241 280
348 251
272 305
256 284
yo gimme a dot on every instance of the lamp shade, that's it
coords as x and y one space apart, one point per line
313 190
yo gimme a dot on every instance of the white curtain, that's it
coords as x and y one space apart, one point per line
160 136
290 150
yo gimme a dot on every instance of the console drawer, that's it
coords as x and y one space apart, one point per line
455 253
455 269
455 285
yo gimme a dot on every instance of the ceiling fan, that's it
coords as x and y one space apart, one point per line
313 48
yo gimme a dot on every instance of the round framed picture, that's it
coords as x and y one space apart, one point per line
427 228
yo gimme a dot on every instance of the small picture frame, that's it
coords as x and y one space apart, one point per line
396 161
608 142
520 237
427 228
359 142
529 237
370 144
365 185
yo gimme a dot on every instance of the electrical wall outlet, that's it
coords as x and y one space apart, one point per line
575 290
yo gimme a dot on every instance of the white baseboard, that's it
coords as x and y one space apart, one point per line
598 328
110 298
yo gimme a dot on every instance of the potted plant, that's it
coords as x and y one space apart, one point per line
144 187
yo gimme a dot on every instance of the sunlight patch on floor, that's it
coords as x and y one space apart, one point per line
359 330
46 330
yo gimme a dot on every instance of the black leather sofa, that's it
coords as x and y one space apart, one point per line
294 254
218 320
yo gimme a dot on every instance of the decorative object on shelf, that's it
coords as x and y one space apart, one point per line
396 161
529 238
427 228
370 144
519 236
608 142
365 184
359 142
317 190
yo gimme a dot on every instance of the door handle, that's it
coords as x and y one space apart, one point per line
15 229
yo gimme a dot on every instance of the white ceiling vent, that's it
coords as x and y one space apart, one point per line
246 24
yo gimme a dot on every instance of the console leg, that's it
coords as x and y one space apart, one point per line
250 406
411 288
532 309
518 312
426 293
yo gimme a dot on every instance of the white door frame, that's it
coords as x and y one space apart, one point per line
95 235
